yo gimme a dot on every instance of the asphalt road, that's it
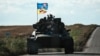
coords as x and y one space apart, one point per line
93 44
92 47
62 54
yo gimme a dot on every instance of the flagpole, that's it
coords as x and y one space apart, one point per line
37 15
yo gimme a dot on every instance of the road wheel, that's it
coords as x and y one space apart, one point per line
69 46
32 50
69 50
32 47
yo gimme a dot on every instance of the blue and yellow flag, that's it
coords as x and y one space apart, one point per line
42 8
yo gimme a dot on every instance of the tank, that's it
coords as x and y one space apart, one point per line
50 32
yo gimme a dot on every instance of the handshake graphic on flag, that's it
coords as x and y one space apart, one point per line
42 8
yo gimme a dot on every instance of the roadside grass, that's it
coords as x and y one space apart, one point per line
13 46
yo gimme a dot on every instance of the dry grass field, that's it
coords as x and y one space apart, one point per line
15 31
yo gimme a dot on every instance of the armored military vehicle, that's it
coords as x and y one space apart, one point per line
50 32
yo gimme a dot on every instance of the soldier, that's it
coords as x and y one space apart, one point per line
50 17
60 26
40 26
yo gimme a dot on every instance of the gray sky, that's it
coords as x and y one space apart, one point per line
24 12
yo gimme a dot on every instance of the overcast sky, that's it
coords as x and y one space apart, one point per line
23 12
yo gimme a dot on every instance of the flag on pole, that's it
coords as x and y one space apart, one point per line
42 8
